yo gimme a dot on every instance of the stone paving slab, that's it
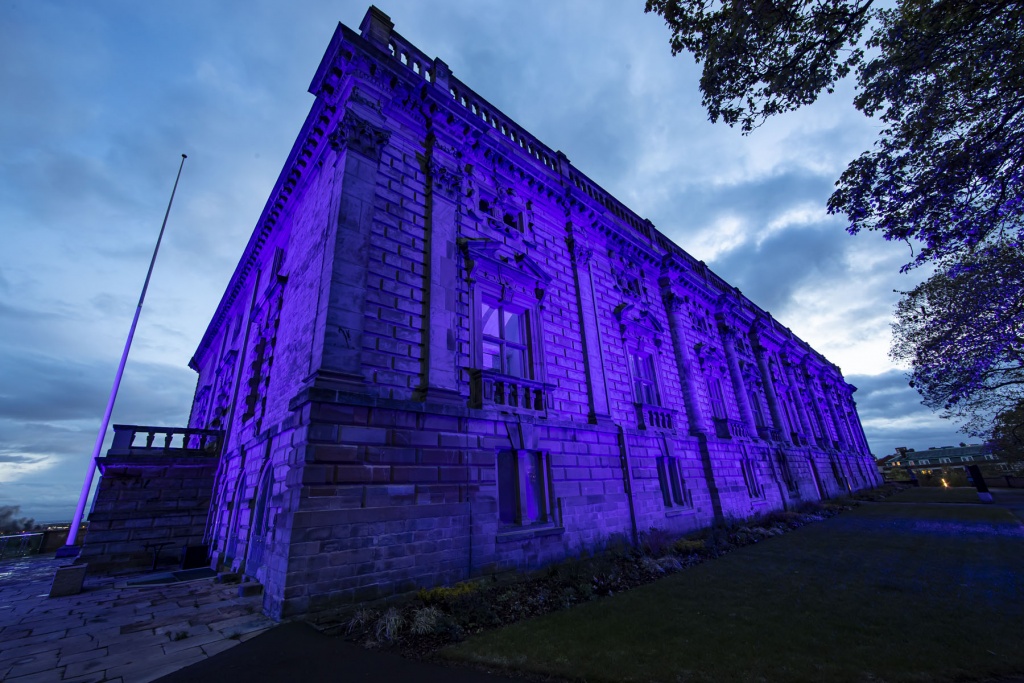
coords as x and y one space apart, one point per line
112 632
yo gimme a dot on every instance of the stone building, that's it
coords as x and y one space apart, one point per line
446 352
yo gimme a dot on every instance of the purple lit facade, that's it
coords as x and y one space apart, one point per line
445 352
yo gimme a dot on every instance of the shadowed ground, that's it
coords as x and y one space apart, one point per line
889 591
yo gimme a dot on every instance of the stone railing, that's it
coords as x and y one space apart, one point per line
411 56
138 440
515 394
799 439
770 434
728 429
653 417
823 442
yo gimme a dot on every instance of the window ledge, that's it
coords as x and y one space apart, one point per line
526 533
676 512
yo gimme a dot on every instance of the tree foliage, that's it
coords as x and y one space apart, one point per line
764 58
962 333
945 80
1008 434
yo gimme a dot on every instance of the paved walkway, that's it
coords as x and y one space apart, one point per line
111 632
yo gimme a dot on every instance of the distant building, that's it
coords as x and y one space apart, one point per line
447 352
941 461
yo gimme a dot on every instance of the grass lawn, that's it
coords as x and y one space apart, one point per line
937 494
882 593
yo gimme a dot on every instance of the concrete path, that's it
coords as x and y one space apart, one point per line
111 632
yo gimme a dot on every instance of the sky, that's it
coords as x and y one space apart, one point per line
101 98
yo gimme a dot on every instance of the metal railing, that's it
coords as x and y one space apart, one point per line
20 545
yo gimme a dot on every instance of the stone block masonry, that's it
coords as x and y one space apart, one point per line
152 500
446 352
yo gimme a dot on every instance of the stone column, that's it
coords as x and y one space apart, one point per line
597 389
855 426
799 407
816 407
769 391
841 434
337 354
443 199
728 341
685 364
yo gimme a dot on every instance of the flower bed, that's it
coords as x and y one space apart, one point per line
440 616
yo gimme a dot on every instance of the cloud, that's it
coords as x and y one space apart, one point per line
772 271
892 415
105 100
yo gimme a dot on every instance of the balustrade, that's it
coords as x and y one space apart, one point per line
728 429
516 394
654 417
770 434
166 441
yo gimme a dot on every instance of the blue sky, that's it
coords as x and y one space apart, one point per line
101 98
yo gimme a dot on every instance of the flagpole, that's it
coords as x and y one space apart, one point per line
87 485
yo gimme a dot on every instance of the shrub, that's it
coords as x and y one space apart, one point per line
669 564
427 620
689 546
443 595
389 625
651 566
361 619
655 542
788 518
570 571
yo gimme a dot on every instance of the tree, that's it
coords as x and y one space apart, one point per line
1008 434
962 332
946 80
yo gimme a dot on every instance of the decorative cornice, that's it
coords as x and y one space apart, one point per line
580 252
447 181
359 135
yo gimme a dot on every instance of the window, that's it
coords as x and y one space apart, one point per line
253 396
787 472
504 338
840 479
673 485
523 487
754 489
645 390
506 367
755 407
717 398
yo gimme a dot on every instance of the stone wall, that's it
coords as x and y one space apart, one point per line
147 496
